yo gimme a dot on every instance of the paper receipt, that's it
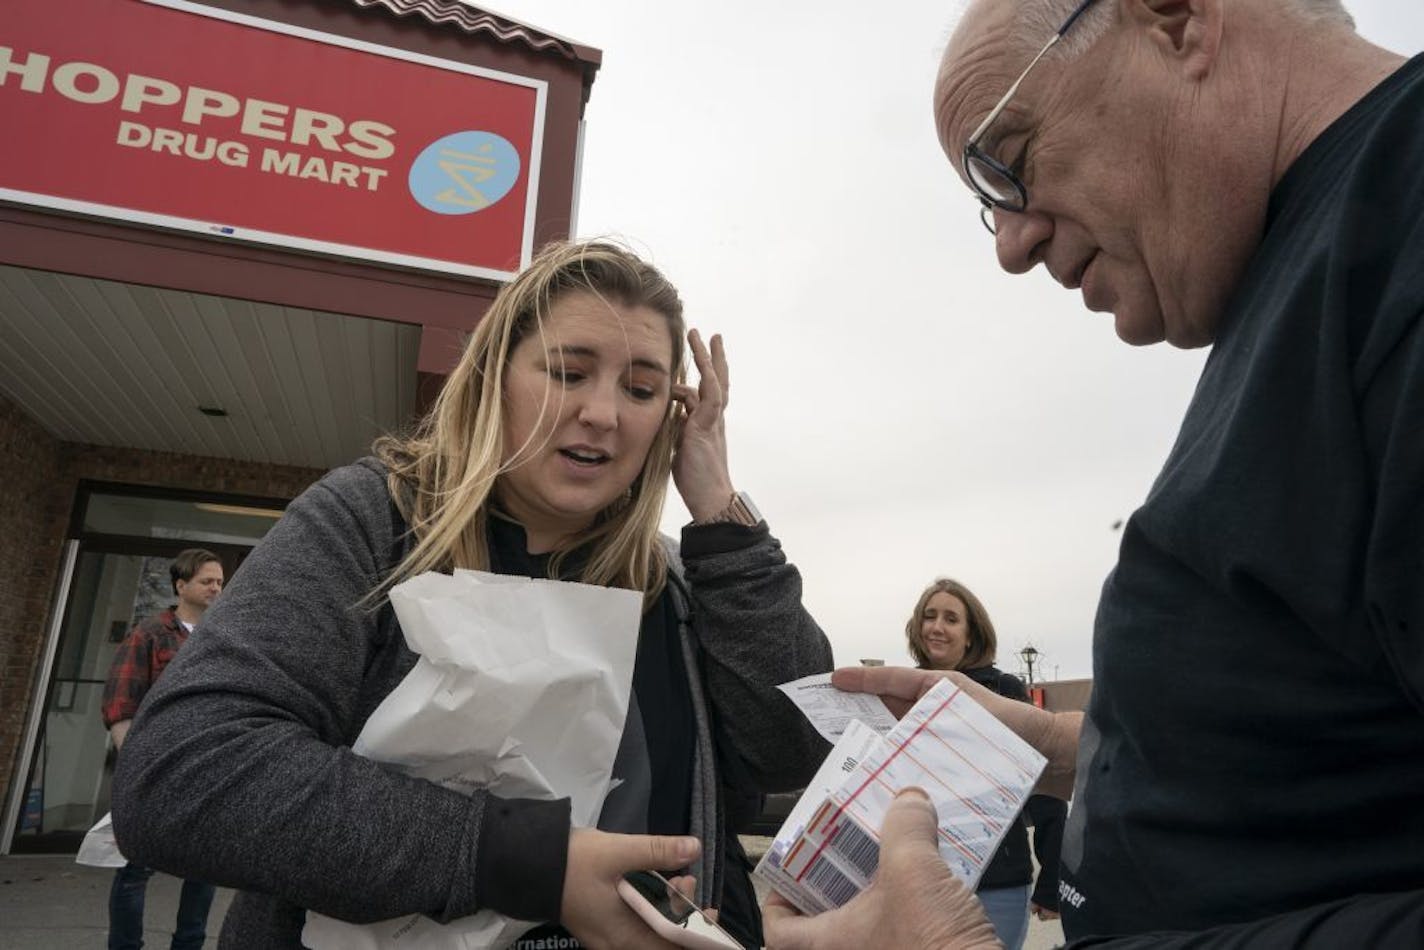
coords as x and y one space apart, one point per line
831 710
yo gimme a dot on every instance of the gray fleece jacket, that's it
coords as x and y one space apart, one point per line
239 771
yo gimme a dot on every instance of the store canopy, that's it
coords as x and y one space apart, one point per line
108 363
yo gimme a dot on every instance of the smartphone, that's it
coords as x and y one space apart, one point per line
672 915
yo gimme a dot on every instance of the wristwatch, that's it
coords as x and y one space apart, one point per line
740 510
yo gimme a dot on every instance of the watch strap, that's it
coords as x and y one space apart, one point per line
740 510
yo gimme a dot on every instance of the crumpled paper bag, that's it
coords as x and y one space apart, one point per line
522 688
99 849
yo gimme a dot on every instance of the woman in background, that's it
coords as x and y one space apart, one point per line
951 630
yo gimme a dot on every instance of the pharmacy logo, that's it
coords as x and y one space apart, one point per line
464 172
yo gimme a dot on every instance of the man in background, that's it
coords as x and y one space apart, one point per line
197 578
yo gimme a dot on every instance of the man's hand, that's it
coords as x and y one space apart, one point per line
1054 735
592 909
914 902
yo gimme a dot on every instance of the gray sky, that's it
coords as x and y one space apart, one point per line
901 408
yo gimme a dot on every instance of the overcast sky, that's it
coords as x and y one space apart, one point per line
901 408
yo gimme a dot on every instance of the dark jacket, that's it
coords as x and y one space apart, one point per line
239 769
138 662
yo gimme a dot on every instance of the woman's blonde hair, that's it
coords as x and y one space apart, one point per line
442 477
983 645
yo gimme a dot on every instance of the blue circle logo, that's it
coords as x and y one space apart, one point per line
464 172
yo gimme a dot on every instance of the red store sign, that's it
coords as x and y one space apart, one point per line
175 114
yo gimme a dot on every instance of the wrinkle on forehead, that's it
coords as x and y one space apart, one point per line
974 73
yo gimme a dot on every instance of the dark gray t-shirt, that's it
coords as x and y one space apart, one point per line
1255 739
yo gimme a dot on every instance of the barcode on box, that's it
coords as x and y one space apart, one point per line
857 847
827 880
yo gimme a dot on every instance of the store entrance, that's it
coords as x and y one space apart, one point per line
117 580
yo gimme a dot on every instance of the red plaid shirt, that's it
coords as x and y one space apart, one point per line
138 662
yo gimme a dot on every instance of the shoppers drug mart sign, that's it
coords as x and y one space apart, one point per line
175 114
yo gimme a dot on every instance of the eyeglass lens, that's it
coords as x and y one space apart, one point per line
993 183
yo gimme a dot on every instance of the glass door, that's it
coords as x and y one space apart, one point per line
126 542
68 786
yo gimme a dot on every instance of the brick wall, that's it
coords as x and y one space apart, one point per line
168 470
29 557
39 476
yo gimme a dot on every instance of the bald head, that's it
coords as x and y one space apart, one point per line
1009 33
1136 159
1036 20
975 67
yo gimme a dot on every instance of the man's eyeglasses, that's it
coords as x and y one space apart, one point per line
997 185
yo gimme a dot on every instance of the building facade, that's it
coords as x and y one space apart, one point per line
238 240
1063 695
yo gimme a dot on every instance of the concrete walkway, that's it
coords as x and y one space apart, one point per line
51 903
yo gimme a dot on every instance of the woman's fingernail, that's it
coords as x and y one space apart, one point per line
687 848
912 791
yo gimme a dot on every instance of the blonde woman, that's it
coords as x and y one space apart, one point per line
547 454
950 630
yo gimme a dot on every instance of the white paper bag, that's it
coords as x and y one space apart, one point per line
99 849
522 687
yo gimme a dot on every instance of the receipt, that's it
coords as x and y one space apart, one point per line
976 772
831 710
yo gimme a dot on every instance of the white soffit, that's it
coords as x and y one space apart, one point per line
109 363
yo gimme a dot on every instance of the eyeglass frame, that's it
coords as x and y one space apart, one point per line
972 152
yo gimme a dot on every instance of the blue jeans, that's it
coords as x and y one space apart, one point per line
1007 910
126 911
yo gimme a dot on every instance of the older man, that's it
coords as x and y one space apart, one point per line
1245 174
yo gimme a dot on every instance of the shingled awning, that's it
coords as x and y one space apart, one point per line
471 19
